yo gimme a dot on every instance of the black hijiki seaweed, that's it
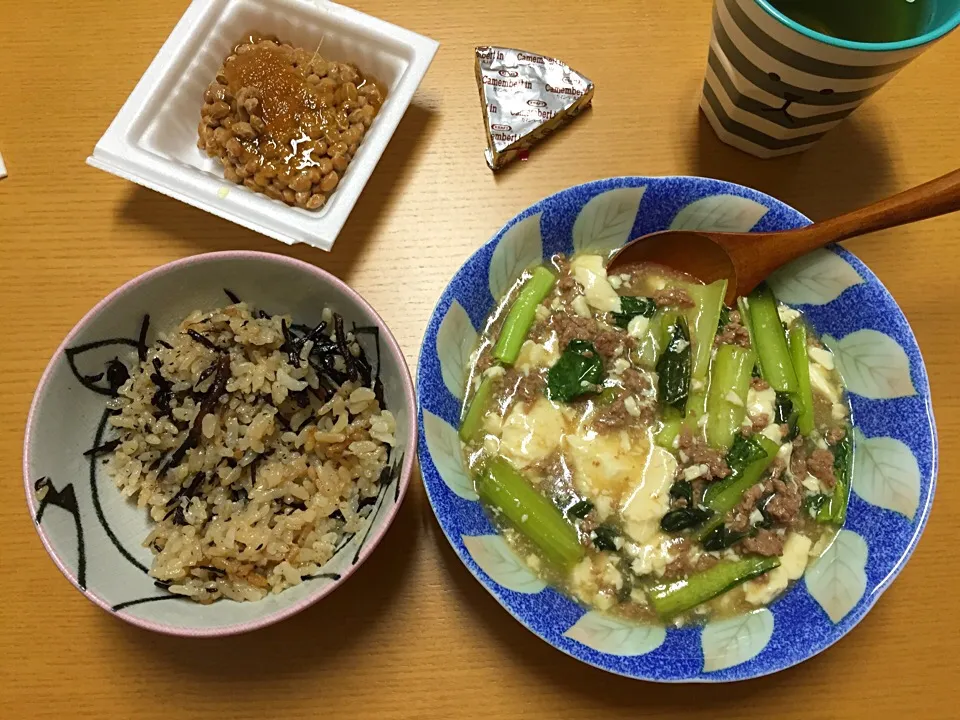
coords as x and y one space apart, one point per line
233 296
176 502
341 337
205 341
164 395
204 374
214 570
207 405
377 384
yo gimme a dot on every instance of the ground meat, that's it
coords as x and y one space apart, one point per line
699 454
776 468
573 327
615 416
740 515
760 421
759 384
484 362
784 506
683 566
551 474
673 297
835 435
820 465
798 459
699 487
765 542
524 388
733 333
566 284
635 381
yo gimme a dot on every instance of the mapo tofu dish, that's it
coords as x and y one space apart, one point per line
650 451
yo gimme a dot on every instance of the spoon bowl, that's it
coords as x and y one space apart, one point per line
746 259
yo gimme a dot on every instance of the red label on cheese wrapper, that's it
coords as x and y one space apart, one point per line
525 96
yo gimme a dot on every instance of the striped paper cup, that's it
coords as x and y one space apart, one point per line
775 87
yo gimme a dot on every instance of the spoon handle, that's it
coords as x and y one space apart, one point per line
931 199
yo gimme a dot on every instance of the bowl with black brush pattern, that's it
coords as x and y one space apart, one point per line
94 534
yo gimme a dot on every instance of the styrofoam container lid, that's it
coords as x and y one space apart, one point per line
153 139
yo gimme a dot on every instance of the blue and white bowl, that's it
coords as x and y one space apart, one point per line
895 455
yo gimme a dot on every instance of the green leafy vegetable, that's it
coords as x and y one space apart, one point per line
721 537
669 429
607 395
578 371
814 503
673 367
770 342
743 452
673 597
797 343
842 465
605 538
683 518
726 494
782 408
630 307
473 418
580 509
508 492
682 490
521 316
704 317
724 317
729 382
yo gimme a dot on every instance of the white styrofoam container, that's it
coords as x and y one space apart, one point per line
153 139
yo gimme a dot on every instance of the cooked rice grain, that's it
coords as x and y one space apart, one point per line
282 463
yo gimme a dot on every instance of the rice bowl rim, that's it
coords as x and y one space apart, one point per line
406 470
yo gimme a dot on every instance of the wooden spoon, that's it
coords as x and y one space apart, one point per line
746 259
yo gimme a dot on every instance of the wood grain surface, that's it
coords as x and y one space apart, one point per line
413 635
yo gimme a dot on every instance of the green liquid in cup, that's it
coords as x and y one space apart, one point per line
871 21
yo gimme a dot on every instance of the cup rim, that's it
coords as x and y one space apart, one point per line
375 537
928 37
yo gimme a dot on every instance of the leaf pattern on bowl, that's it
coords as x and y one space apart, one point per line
722 213
837 579
456 340
497 560
735 641
886 474
443 442
817 278
615 637
605 222
520 247
872 364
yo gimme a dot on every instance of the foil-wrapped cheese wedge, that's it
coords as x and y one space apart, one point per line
525 96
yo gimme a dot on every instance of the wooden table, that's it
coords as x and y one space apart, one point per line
413 635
